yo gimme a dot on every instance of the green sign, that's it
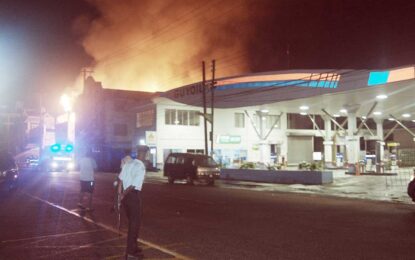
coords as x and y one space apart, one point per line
229 139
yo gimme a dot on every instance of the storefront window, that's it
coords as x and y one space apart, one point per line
170 116
181 117
230 158
145 118
193 118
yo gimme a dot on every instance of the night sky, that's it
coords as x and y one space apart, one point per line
45 43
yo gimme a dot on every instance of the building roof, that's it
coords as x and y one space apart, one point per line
331 90
116 93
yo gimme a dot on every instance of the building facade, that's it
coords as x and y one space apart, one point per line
106 122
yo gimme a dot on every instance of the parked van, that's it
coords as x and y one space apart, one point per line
191 167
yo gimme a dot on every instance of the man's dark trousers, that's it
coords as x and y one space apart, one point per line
132 205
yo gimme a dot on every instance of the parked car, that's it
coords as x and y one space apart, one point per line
9 173
191 167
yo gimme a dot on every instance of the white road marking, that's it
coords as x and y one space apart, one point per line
54 235
164 250
75 248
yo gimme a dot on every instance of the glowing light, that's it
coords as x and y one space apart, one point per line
377 113
264 110
391 119
67 102
55 148
382 96
344 111
303 113
304 108
69 148
70 166
406 115
336 115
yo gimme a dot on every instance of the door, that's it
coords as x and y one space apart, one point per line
179 168
169 165
300 149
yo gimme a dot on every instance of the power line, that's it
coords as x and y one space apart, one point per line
184 18
155 47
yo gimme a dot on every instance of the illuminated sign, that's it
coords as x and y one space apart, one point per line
312 80
393 144
389 76
151 138
229 139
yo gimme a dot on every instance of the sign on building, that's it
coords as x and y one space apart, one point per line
151 138
229 139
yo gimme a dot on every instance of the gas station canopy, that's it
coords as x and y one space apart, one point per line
383 93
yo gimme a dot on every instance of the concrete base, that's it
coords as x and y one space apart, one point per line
279 176
373 173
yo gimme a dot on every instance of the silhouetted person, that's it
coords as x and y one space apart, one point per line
87 167
129 190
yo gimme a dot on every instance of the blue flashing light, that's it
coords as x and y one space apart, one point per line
69 148
55 148
378 77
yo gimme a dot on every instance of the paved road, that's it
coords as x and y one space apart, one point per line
196 222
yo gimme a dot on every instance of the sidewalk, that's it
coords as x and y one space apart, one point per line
381 188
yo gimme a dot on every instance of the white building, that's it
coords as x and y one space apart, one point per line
236 133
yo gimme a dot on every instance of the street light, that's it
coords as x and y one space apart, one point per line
66 102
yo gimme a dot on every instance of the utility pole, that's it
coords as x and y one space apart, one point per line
212 91
204 106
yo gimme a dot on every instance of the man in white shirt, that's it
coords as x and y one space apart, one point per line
129 189
127 157
87 167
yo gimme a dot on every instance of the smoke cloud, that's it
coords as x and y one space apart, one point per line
156 45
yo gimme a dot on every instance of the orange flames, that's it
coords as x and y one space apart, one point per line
156 45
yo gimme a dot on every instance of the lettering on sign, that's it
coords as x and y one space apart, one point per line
187 91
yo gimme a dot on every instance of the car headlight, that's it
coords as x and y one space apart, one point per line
70 166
